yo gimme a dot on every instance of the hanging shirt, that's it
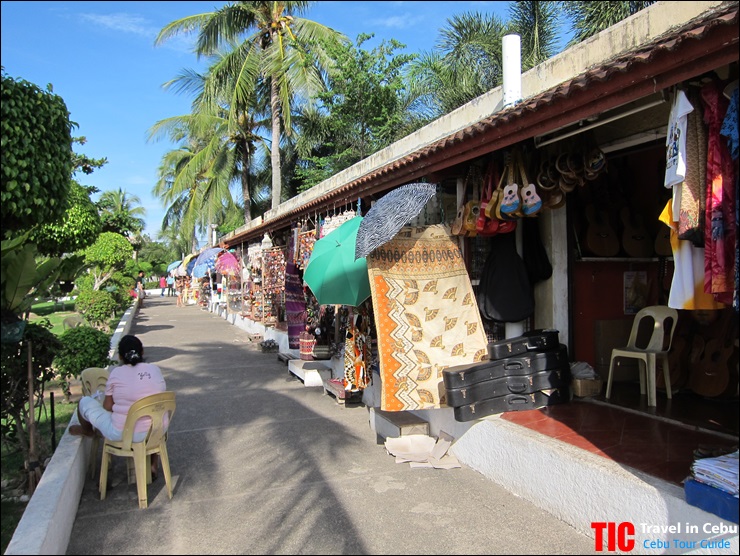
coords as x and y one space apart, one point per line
687 286
675 165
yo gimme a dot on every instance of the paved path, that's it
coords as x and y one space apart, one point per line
264 465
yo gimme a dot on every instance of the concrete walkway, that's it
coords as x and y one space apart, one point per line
264 465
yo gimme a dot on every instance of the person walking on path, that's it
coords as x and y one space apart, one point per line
140 287
163 285
179 288
170 285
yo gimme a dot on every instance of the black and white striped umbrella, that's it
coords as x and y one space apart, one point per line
391 213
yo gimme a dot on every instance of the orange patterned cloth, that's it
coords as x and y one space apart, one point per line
426 316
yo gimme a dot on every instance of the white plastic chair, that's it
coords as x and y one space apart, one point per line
94 379
663 321
153 407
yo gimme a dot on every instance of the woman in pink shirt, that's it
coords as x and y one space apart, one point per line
127 384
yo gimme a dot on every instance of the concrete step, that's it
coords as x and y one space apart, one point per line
392 424
312 373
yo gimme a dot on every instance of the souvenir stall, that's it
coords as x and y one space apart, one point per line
228 283
273 286
251 280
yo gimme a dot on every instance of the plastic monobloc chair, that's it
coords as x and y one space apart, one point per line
159 408
663 324
93 380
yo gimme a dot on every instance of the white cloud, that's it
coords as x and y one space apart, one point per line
123 22
137 25
403 21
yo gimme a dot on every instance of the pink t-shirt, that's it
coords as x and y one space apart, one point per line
129 384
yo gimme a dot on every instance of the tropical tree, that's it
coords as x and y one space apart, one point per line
188 193
275 49
121 212
590 18
364 109
79 227
223 141
107 255
36 168
467 60
536 24
465 63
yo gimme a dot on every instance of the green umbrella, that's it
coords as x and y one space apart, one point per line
332 273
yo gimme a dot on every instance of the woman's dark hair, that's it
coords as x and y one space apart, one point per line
131 350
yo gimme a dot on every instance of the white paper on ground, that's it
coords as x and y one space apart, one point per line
422 451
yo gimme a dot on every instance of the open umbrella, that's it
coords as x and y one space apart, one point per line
205 262
182 270
332 273
227 264
173 266
391 213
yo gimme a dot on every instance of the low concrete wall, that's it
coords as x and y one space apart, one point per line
579 487
47 522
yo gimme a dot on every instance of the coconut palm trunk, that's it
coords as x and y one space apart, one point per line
275 146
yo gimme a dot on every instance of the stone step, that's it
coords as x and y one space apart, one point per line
312 373
392 424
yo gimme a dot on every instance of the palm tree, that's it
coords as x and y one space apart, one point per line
119 212
467 59
280 51
228 139
465 63
536 24
590 18
193 198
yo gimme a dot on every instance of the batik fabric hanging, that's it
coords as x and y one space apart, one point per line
357 373
426 316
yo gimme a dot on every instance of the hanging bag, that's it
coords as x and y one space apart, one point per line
505 293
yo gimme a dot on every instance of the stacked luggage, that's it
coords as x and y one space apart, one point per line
526 372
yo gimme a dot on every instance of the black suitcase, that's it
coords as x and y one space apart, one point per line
525 384
532 341
461 376
511 402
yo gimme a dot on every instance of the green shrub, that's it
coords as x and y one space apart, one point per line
37 162
14 365
83 282
82 347
96 306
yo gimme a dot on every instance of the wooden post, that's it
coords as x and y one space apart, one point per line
34 471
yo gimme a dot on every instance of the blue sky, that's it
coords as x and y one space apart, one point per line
101 59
